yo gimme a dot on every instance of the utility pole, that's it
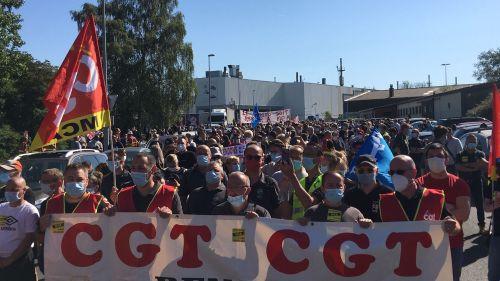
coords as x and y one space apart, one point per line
341 83
445 73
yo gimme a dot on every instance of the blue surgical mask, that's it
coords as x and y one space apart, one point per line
297 165
12 196
366 178
139 179
275 157
202 160
236 168
471 145
236 201
4 177
334 195
212 177
308 163
323 169
74 189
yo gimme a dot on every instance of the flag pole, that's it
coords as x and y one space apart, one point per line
105 50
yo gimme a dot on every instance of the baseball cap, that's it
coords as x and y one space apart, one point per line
12 165
215 152
366 159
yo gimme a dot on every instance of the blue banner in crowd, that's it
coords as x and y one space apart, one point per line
376 146
256 116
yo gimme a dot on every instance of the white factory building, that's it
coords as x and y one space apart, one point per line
231 91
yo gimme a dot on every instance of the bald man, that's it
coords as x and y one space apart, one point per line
18 221
237 202
411 201
264 189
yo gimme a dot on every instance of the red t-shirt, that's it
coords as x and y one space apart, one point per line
453 187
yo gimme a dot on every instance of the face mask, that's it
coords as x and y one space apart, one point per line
248 140
212 177
342 172
275 157
139 179
236 168
181 147
471 145
323 169
4 177
334 195
91 190
308 163
366 178
236 201
171 169
110 165
202 160
400 182
436 164
12 196
414 135
74 189
297 165
46 188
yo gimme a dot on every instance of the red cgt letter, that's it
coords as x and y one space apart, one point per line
333 260
408 258
277 257
122 244
70 250
189 257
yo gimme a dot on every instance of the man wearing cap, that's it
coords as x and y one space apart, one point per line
275 151
8 170
365 196
131 141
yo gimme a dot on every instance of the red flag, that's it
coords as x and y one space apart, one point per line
495 133
76 101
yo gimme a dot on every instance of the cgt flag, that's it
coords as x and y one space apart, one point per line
76 100
495 135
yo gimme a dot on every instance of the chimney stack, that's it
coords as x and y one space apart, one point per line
428 80
397 84
300 78
323 81
456 81
296 77
391 91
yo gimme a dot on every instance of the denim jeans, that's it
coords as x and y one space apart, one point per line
494 259
457 257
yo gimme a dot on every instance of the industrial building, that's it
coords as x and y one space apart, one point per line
230 91
430 102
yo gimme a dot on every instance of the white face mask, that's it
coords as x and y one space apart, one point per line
400 182
46 188
236 201
436 164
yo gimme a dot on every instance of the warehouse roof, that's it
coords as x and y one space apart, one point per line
405 93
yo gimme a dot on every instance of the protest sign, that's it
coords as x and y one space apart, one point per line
143 246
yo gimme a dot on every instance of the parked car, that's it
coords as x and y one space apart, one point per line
426 133
457 120
35 163
130 152
467 128
483 140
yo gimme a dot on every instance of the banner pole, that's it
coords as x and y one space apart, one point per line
110 133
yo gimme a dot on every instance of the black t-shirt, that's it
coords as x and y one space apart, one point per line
141 203
367 204
265 193
201 201
178 175
417 157
410 205
225 209
323 213
123 180
193 179
465 157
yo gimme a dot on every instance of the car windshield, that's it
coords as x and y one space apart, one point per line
33 168
217 118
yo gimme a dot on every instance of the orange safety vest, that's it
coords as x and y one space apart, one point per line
88 204
429 208
163 197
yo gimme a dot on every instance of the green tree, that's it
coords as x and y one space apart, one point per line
488 66
150 65
328 116
9 142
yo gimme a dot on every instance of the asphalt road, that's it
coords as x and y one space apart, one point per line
475 266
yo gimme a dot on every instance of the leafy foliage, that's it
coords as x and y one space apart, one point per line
9 142
488 66
150 66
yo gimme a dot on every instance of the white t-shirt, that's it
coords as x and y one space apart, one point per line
15 223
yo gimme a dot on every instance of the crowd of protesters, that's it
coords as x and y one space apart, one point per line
293 171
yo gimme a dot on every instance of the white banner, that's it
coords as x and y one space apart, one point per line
271 117
140 246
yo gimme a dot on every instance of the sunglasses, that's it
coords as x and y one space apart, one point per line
253 157
364 171
399 172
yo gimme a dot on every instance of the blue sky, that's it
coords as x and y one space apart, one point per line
380 41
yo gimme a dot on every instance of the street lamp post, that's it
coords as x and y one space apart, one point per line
445 73
210 91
